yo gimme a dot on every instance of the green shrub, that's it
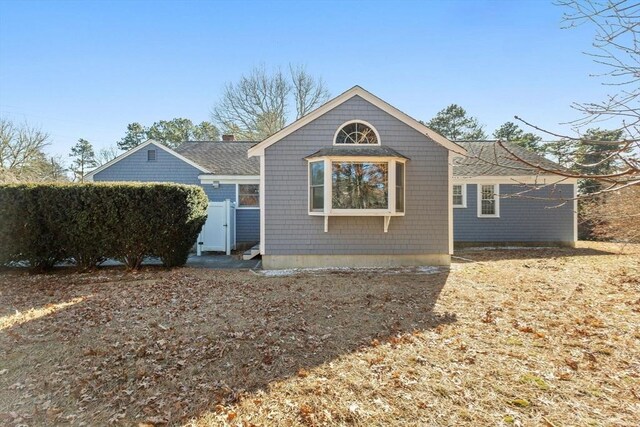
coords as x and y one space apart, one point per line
46 223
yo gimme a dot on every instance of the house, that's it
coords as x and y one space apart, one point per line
357 182
222 169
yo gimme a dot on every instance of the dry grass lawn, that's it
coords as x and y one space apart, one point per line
541 337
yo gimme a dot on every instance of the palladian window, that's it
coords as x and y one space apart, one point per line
356 133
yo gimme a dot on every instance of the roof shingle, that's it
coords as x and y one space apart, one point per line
487 158
222 158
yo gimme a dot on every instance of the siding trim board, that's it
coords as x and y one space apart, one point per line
229 179
539 180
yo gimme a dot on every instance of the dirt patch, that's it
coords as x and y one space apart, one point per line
505 337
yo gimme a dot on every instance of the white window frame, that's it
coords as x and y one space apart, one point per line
238 206
309 190
496 198
464 196
335 135
328 187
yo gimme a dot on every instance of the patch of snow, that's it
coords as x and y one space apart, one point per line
428 270
377 270
508 248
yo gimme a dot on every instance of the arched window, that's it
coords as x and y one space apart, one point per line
356 132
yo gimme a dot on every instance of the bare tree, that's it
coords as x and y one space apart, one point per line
20 145
105 155
617 49
21 152
257 106
616 216
308 91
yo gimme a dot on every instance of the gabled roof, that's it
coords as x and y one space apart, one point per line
487 158
222 158
89 176
259 148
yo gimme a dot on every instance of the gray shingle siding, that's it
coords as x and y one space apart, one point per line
135 167
521 219
290 230
168 168
220 194
247 225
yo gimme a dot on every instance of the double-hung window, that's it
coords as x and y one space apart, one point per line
488 201
316 183
459 194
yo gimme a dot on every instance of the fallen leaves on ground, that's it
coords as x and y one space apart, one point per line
544 337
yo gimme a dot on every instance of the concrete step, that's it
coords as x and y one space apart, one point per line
251 253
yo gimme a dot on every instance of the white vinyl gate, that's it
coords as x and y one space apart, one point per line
219 232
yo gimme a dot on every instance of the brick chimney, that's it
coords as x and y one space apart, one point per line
228 138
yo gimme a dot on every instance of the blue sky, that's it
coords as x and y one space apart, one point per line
85 69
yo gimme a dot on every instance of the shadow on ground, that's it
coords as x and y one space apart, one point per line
502 253
166 346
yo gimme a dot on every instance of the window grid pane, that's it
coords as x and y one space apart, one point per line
488 206
316 170
457 195
356 133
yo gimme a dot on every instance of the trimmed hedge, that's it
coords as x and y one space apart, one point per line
87 223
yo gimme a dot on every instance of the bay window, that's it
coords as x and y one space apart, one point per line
356 187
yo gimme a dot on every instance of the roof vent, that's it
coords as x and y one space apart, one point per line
228 137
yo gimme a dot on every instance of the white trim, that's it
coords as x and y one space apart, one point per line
328 185
310 191
514 179
463 185
575 212
258 149
229 179
356 159
496 198
262 205
89 176
391 189
335 135
328 209
238 206
450 202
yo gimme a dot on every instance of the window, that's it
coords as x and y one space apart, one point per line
316 173
358 185
399 187
488 201
356 133
459 195
151 155
248 195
